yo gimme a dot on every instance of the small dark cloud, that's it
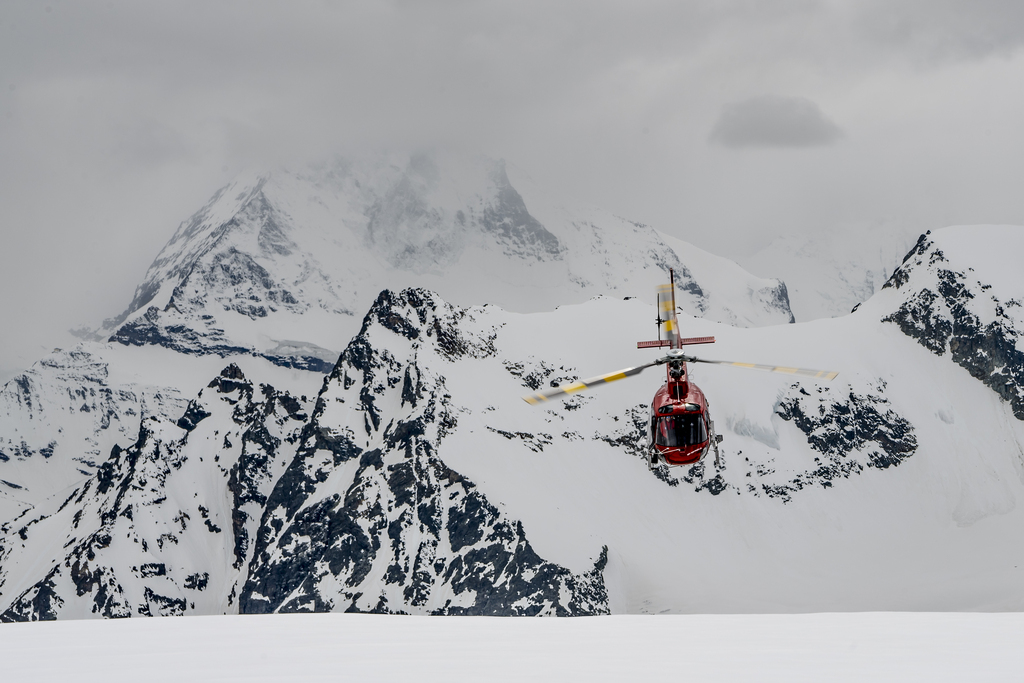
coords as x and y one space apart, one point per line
773 121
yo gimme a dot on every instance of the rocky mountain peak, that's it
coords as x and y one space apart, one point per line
948 308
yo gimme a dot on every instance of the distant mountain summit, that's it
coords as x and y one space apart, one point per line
280 264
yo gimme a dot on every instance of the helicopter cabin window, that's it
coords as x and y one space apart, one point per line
680 430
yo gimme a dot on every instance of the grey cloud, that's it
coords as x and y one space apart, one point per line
935 32
774 121
119 118
146 143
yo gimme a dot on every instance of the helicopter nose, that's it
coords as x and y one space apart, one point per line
679 407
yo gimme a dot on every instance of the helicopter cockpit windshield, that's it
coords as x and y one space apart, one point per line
676 431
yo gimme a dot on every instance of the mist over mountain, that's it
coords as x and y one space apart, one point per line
307 251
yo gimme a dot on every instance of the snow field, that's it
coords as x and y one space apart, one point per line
876 646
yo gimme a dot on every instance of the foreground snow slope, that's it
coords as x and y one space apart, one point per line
341 647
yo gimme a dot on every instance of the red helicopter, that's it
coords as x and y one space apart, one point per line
680 431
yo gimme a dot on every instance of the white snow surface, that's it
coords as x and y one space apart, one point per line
810 648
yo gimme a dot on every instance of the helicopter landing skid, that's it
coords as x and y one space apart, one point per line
715 440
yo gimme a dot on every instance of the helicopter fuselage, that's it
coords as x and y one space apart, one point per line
680 430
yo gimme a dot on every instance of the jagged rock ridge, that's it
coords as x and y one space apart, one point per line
946 308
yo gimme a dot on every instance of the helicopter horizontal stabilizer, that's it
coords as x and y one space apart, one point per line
697 340
668 342
653 344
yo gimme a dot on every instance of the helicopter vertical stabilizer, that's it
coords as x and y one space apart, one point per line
667 314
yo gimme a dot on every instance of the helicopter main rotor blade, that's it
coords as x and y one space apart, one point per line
805 372
567 389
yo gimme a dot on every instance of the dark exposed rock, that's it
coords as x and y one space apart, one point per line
152 569
147 329
39 603
161 606
308 363
207 279
197 581
194 414
840 427
780 299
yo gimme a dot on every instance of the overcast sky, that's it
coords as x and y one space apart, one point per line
725 123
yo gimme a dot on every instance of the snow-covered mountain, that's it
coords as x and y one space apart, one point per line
283 264
830 272
416 480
